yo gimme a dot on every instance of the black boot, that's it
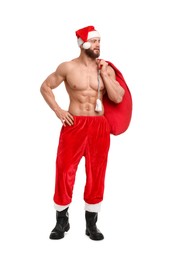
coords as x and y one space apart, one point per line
62 224
91 229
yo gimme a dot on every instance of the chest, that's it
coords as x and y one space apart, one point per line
84 79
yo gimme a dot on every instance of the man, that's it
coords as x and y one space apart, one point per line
85 131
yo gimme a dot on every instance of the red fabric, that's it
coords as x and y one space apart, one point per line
118 115
89 137
83 33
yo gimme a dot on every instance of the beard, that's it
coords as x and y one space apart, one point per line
91 54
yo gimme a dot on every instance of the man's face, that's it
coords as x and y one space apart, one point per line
94 51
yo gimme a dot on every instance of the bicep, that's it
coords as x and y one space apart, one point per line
54 80
111 73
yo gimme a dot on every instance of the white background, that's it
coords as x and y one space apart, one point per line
138 215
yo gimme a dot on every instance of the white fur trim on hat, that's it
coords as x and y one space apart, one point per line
86 45
93 34
80 41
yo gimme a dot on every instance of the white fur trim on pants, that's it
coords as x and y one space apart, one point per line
93 207
59 207
88 207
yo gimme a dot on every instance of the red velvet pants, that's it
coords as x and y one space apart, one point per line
88 137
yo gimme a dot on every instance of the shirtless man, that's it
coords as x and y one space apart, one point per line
85 131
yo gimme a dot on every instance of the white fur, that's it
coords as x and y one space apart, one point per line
98 107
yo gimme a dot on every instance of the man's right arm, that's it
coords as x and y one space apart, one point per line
50 83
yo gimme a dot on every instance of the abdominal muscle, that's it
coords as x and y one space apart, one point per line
82 104
84 110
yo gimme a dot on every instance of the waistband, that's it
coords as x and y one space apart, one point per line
89 117
88 121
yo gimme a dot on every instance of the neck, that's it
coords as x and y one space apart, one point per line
87 61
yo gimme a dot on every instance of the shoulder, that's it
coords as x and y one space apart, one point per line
64 67
111 71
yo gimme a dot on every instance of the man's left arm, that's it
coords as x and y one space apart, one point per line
114 90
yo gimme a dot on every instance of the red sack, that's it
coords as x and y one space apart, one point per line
118 115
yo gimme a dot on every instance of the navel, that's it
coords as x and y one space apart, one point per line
87 108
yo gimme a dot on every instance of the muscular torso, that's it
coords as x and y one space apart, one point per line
82 86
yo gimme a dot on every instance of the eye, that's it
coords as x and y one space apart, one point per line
92 41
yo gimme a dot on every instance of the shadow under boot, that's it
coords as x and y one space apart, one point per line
91 229
61 226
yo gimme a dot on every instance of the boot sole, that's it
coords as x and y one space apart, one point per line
93 238
60 234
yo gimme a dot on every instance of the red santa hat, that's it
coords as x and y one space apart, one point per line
85 34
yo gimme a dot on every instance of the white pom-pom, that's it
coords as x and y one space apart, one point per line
86 45
98 107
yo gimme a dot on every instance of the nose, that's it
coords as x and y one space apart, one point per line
98 44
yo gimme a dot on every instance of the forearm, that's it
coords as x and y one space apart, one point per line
65 117
114 90
49 98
